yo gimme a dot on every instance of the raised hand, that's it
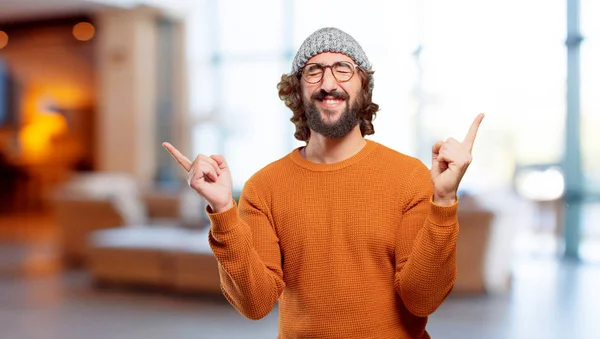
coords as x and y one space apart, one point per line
209 176
450 160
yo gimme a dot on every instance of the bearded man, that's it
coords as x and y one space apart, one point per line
353 239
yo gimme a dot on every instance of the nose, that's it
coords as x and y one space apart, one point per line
329 83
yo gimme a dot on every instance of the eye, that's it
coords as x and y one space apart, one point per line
343 68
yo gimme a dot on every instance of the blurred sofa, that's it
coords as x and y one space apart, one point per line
472 247
122 233
97 201
127 235
180 259
169 258
93 201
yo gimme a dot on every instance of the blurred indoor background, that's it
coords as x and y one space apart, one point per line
101 238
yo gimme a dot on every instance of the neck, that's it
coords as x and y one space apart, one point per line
328 151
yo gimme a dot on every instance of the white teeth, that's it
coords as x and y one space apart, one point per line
331 102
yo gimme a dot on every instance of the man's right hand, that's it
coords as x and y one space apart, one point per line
209 176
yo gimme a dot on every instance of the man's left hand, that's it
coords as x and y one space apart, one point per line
450 160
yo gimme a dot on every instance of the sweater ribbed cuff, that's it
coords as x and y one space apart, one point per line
443 215
223 222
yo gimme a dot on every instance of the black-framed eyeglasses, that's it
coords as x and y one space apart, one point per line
342 71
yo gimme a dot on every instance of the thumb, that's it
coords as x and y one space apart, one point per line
435 150
220 160
435 164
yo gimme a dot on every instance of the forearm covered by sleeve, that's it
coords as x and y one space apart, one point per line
249 257
426 254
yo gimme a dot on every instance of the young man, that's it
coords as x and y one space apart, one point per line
353 239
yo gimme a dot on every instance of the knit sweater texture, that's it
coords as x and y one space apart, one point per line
354 249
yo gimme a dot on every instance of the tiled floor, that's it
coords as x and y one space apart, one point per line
549 299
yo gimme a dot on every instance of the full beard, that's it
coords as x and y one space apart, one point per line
334 130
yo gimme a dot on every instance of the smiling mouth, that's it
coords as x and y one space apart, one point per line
330 102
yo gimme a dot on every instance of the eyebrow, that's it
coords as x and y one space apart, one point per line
314 66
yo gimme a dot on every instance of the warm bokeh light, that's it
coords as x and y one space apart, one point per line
84 31
42 125
36 137
3 39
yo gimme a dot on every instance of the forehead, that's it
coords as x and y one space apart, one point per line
329 58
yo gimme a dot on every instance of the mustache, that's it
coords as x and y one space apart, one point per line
322 94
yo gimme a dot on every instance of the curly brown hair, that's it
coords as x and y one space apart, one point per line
291 94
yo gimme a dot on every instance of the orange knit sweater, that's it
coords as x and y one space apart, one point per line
354 249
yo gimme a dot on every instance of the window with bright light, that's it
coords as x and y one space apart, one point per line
437 65
590 101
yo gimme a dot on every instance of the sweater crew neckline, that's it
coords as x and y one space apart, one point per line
367 149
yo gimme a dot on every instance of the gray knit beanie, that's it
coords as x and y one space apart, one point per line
330 39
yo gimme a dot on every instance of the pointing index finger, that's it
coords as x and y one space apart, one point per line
181 159
470 138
